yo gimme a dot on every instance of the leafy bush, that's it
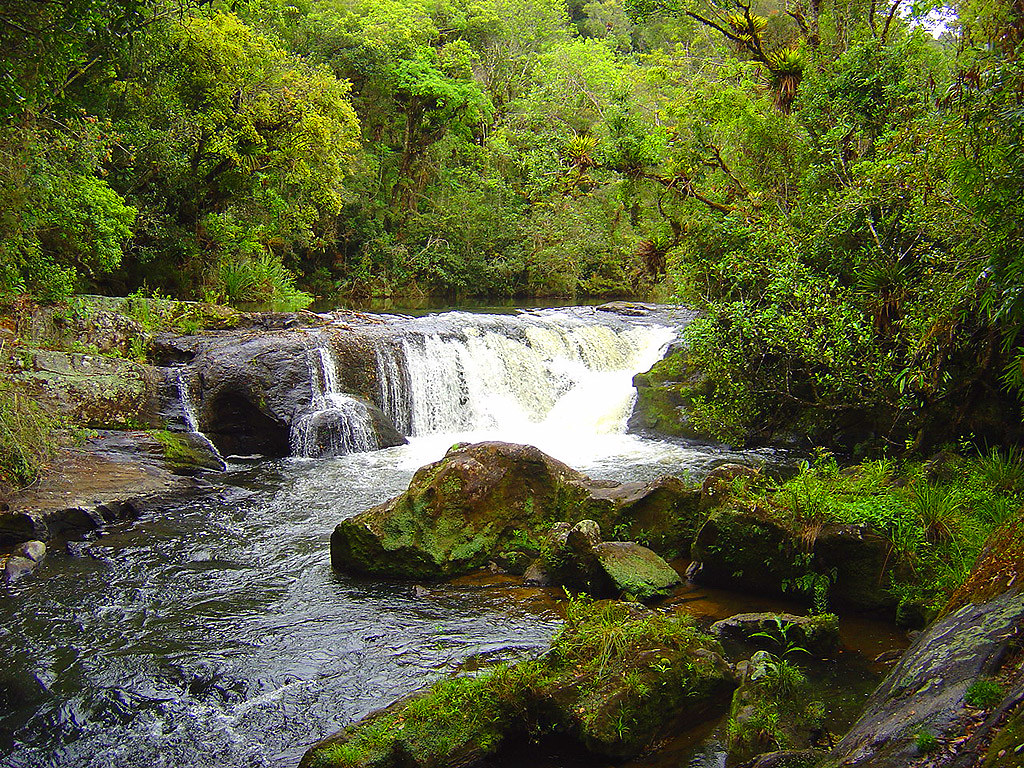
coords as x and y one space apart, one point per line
27 439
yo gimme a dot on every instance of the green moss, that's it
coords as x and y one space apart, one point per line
613 677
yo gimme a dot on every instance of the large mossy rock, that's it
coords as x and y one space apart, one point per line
483 500
749 550
925 692
664 394
618 677
90 389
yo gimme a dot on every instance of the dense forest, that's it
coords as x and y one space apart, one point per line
836 184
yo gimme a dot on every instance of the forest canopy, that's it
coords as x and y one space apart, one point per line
834 183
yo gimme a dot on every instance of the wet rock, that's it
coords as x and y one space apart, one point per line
818 635
925 690
33 550
18 567
664 394
635 570
537 575
627 308
749 550
479 500
251 389
669 674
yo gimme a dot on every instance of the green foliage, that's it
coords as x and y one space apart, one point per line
935 528
984 694
27 437
926 742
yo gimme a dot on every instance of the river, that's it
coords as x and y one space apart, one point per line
212 631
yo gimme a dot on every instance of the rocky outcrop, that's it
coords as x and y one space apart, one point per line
90 389
483 500
663 395
748 550
90 486
251 389
928 691
924 693
602 701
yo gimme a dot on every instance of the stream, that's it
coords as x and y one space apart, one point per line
211 631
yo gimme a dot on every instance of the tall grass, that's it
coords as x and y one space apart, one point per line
26 437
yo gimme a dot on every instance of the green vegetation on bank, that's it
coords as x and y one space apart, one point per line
837 189
935 518
615 676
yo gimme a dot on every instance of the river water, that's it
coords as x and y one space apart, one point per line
212 631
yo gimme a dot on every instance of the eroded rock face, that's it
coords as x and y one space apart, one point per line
925 691
477 502
251 389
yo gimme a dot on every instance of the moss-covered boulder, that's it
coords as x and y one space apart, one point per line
750 550
664 394
927 692
489 499
90 389
635 570
774 708
616 679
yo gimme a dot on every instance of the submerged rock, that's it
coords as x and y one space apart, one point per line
17 567
488 498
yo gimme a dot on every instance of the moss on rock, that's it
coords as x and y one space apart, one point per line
616 677
483 500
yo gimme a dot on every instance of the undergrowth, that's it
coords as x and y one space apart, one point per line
27 437
936 517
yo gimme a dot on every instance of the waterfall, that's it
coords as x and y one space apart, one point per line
516 376
336 423
189 412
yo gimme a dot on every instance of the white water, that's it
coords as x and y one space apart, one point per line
560 384
336 424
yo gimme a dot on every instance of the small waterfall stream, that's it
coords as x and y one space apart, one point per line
337 423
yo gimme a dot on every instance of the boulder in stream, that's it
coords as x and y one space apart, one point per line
601 697
748 550
489 498
582 561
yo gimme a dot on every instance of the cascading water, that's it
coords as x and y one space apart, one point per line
336 424
211 632
188 411
555 381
